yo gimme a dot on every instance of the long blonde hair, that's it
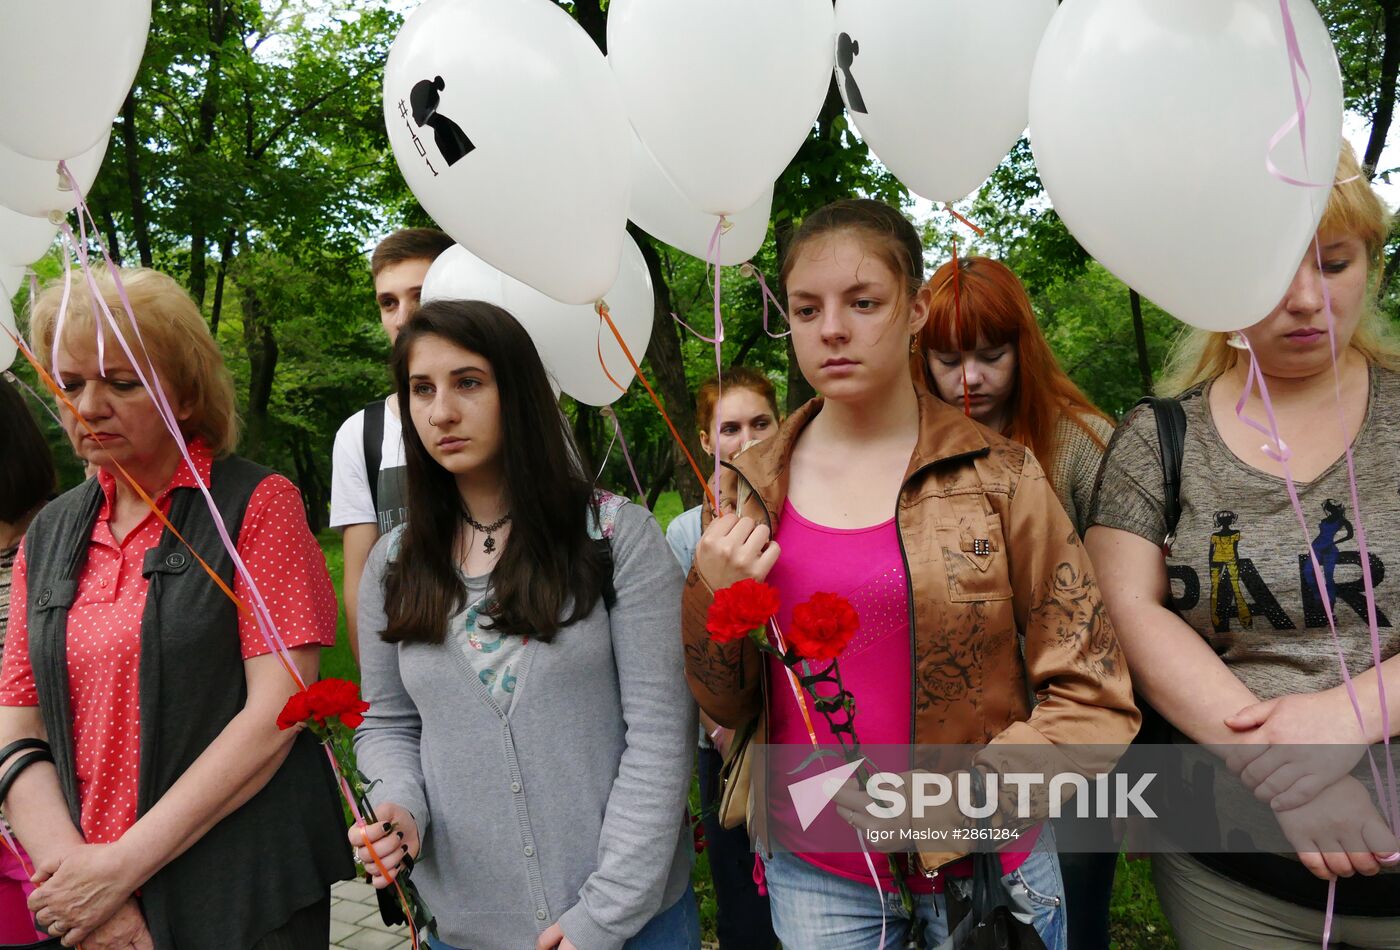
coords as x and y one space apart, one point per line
1354 208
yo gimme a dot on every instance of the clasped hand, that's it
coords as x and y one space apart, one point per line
85 896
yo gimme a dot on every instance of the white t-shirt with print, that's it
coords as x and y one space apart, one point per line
351 502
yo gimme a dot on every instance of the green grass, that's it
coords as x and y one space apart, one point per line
1135 920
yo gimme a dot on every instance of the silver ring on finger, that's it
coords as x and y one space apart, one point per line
358 860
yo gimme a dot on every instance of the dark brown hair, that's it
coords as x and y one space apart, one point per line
735 377
548 563
26 467
408 244
890 233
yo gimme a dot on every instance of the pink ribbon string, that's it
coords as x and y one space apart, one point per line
1279 452
694 332
1331 908
622 441
606 456
261 614
712 257
749 270
1299 120
25 386
1373 626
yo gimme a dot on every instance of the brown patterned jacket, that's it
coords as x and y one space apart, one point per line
966 491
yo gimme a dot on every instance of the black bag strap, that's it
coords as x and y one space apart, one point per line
374 447
1171 437
604 549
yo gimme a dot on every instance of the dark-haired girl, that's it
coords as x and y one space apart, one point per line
529 724
970 582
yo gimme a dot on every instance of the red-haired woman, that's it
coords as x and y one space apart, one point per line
982 350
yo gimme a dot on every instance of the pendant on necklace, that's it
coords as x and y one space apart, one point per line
489 545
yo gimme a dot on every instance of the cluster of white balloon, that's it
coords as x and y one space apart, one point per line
1149 123
533 150
65 67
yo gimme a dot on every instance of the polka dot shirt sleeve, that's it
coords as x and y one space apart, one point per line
17 676
289 569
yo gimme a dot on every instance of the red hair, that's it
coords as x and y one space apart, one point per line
990 302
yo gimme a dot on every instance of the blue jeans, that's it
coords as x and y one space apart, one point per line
814 910
675 928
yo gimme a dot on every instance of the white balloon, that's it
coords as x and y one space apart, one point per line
723 92
567 336
8 349
939 89
23 239
11 280
33 186
65 67
1150 123
659 208
508 127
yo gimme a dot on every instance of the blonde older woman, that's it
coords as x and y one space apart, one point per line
1244 656
140 760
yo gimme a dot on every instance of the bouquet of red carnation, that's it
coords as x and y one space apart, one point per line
821 628
331 709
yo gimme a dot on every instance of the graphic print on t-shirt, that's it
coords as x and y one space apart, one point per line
1225 566
1238 592
1241 552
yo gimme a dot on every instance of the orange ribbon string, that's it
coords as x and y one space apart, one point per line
243 608
958 323
957 302
602 309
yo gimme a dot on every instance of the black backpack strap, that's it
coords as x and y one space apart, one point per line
604 548
374 448
1171 437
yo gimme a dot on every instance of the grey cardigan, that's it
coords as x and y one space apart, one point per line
573 808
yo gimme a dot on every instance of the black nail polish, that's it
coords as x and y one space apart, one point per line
388 827
400 834
405 849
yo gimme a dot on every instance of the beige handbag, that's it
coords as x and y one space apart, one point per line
735 778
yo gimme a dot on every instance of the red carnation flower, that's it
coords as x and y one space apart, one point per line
296 711
822 626
740 609
322 701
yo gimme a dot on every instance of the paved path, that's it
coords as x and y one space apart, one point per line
355 923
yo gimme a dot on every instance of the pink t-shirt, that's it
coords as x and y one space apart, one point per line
865 566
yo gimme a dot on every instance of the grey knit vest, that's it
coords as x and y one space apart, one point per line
277 853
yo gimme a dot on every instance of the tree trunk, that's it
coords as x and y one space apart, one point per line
131 145
586 438
208 111
310 482
261 345
1386 91
225 251
594 20
1140 332
798 389
109 232
668 374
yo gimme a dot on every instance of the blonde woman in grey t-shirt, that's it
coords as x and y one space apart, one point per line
1245 659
